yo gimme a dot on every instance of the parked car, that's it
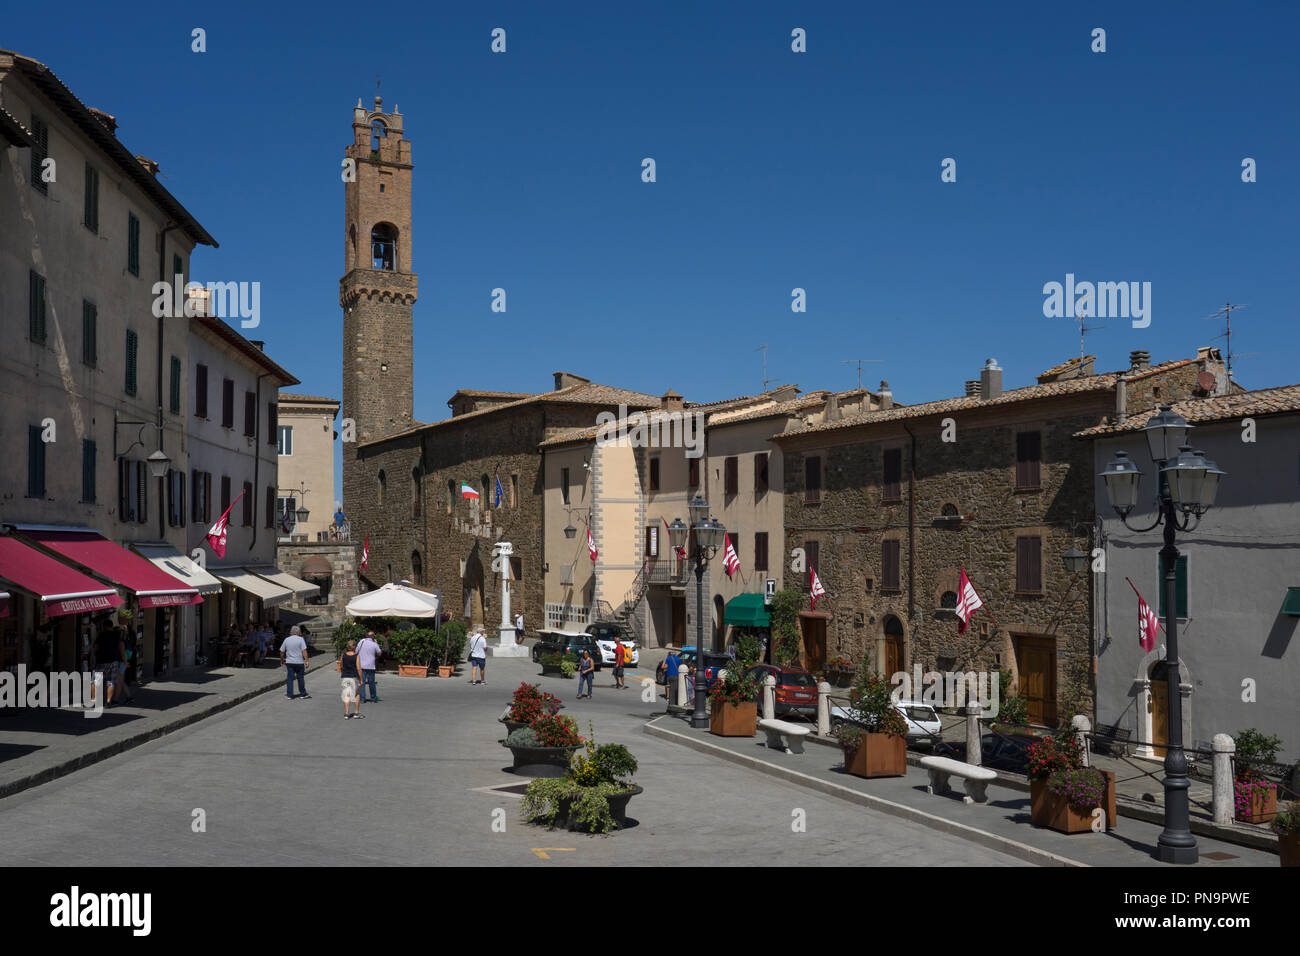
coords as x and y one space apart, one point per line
923 721
607 635
714 661
997 752
566 642
796 688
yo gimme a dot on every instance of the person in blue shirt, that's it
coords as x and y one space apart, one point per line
672 663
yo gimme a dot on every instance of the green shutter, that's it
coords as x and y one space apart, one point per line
36 307
91 213
35 462
89 333
133 244
1291 603
176 385
1181 586
132 348
87 470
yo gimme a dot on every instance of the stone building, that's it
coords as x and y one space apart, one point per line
889 505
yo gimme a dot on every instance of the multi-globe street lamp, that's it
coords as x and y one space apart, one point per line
709 533
1188 485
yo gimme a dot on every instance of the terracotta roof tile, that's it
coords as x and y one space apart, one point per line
288 397
1264 401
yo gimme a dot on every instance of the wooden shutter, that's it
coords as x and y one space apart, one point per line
142 492
227 403
694 477
89 333
171 497
201 391
132 355
36 307
812 478
890 570
731 475
132 244
1028 459
272 423
760 551
176 386
813 552
892 489
125 503
90 217
247 503
760 472
1029 564
250 414
207 496
654 475
225 493
270 506
196 486
87 470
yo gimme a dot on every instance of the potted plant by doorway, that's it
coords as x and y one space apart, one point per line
879 746
545 747
1255 797
1063 793
450 646
591 797
839 671
1287 827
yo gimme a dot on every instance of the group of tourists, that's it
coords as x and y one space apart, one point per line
357 670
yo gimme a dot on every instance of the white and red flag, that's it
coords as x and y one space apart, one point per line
365 553
591 547
968 602
730 560
216 537
814 586
1148 623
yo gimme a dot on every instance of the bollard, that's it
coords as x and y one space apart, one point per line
769 697
681 687
1224 796
1082 726
823 709
974 753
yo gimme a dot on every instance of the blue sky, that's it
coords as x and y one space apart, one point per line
775 170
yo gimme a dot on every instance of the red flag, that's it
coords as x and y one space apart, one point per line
730 560
216 536
591 547
1148 623
968 602
681 552
365 553
814 586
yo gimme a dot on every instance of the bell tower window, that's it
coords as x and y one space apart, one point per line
383 244
378 131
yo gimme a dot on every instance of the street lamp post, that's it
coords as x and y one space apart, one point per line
708 537
1188 485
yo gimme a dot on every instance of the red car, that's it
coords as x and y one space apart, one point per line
796 688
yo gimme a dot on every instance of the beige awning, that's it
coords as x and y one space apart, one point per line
271 595
286 580
168 559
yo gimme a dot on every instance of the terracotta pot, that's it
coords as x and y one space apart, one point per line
338 666
1263 805
446 670
1288 848
734 720
1055 813
551 762
412 670
878 755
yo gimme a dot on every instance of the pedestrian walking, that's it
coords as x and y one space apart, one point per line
293 658
586 672
477 656
368 652
351 679
619 656
519 628
672 663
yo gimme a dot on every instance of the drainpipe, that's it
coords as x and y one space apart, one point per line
257 449
911 525
162 277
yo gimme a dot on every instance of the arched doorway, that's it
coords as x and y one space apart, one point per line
719 623
893 645
473 583
1158 707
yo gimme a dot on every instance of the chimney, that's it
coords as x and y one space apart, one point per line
972 388
886 396
108 120
832 407
990 380
670 401
147 163
565 379
1138 359
784 393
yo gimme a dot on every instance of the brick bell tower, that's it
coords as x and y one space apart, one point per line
379 286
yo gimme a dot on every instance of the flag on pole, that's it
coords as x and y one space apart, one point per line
591 546
500 493
365 553
286 521
1148 623
467 491
681 552
730 560
815 586
968 602
216 537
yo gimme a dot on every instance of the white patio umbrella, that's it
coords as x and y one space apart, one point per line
394 600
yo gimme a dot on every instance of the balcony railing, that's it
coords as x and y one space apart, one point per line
668 570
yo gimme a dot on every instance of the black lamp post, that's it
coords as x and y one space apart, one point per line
708 537
1188 485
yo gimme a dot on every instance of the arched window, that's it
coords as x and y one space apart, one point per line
352 238
949 600
415 492
417 568
383 247
949 510
451 496
377 132
380 487
487 500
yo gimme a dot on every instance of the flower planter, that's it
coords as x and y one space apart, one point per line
446 670
512 725
839 678
551 670
878 755
412 670
617 810
1048 810
542 761
1255 803
1288 848
734 720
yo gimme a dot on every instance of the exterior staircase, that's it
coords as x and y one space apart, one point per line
625 614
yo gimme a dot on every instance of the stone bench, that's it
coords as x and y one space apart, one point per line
976 779
783 735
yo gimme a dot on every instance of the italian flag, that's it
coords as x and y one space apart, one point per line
468 492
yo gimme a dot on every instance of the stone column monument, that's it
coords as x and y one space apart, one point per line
505 646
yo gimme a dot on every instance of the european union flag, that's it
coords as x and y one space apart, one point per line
500 493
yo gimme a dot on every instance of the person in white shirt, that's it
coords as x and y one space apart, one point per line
519 628
478 656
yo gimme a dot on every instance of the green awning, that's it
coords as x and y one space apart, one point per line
747 610
1289 606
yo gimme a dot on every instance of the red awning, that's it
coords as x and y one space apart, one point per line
153 587
62 589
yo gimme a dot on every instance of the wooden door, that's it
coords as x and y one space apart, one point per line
1159 703
1036 660
894 647
679 621
814 643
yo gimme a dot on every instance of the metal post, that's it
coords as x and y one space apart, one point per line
699 719
1176 843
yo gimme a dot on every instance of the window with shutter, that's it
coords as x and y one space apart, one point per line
760 551
171 497
250 414
178 267
1028 460
1029 564
892 485
270 506
35 462
125 497
654 474
812 480
141 482
760 472
201 391
36 307
227 403
813 553
247 503
731 475
225 493
891 565
272 426
87 470
196 485
132 354
176 386
40 152
89 333
207 497
90 214
693 472
132 244
564 485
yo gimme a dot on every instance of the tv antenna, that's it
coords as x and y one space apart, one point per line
1084 328
859 363
1226 314
766 381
